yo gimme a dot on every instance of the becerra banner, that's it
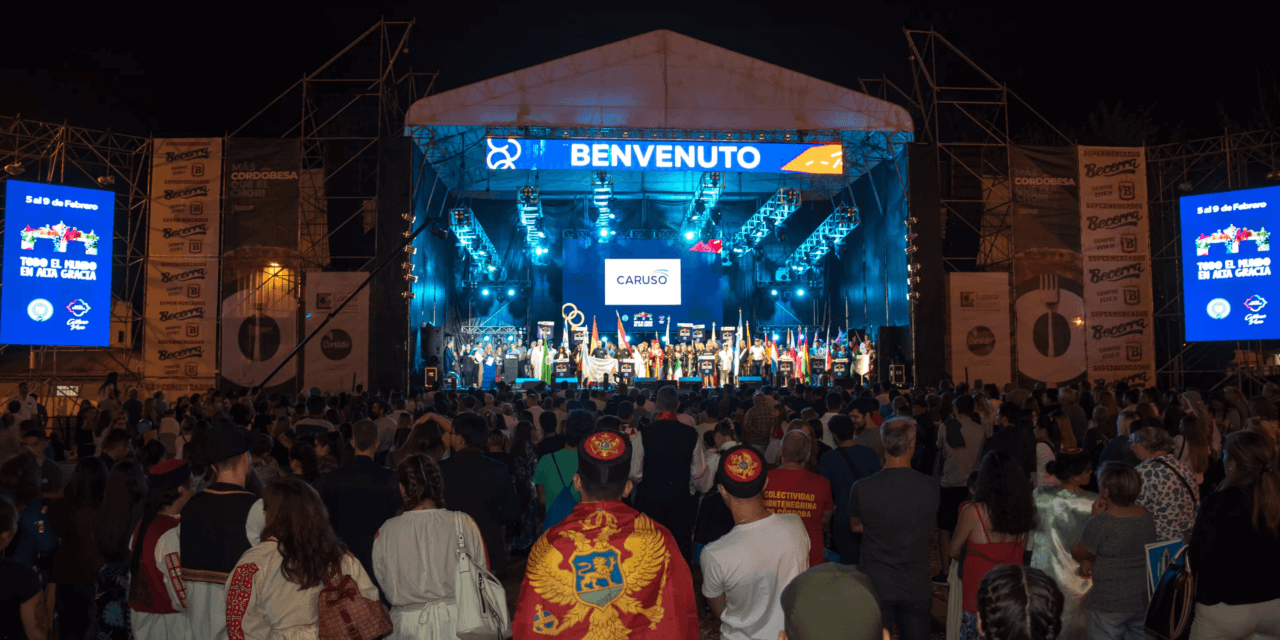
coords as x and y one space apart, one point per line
181 322
981 347
664 155
186 187
1115 241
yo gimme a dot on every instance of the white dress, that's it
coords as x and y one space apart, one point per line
264 605
415 559
162 626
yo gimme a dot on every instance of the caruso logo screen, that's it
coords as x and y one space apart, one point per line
1227 270
57 265
644 282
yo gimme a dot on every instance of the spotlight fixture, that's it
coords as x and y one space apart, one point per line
408 295
409 217
911 248
911 237
410 249
15 169
106 180
800 292
406 233
411 278
511 292
484 292
406 265
773 292
688 235
440 233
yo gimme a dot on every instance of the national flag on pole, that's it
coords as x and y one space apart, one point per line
749 343
667 340
737 353
564 341
622 333
826 366
595 335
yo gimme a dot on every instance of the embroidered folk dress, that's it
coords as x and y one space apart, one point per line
607 571
160 616
264 605
415 557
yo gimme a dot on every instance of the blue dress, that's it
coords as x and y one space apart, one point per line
490 370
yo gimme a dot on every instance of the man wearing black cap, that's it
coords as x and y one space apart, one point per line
744 572
219 525
606 569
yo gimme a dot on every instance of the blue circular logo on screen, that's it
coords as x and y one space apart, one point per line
1218 308
40 309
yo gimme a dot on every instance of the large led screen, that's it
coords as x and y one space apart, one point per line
57 265
644 282
1228 290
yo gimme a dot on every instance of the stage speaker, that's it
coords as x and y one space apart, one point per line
528 384
693 383
645 383
751 381
432 376
893 347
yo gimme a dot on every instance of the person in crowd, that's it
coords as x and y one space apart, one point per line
274 588
842 467
260 455
1061 511
157 592
1048 442
76 561
1112 551
1009 437
36 442
793 489
759 421
1235 546
553 475
1119 448
411 562
745 571
893 509
23 615
960 441
34 542
220 524
478 486
866 425
314 423
673 461
116 445
831 602
1191 445
361 495
1069 401
993 528
656 589
523 466
113 524
1019 603
1169 487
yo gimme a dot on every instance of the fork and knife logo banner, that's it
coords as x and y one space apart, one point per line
1049 303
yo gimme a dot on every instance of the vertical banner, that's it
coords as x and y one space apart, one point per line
260 277
1115 241
981 337
181 314
1047 269
338 358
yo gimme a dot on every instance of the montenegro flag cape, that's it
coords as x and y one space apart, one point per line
606 571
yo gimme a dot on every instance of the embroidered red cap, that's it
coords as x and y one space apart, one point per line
741 472
605 446
169 474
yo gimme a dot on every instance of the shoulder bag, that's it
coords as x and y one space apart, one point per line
344 614
482 602
1173 601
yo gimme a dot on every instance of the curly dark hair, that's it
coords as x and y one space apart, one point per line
299 523
1003 488
1019 603
305 454
421 481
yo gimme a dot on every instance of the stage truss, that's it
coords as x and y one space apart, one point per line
76 156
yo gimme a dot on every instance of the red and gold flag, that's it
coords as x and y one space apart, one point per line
607 571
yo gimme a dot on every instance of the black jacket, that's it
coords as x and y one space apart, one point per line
668 454
360 496
481 487
1015 441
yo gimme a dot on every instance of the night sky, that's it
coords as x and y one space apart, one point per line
108 66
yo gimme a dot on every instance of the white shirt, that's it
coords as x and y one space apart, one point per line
750 566
826 429
315 422
685 418
415 558
29 411
757 353
262 603
386 432
160 626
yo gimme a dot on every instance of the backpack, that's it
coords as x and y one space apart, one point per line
564 503
344 614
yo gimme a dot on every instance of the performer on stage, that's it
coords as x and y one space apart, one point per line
757 358
656 359
522 365
727 368
744 358
490 370
638 357
450 359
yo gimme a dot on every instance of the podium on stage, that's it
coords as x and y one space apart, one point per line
840 367
706 366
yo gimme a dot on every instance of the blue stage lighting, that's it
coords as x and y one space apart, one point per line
800 292
486 338
511 338
688 235
773 292
775 337
484 292
511 292
604 233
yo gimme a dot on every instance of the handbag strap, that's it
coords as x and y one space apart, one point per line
559 475
847 459
1186 485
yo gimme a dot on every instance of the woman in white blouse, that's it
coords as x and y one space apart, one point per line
415 555
273 591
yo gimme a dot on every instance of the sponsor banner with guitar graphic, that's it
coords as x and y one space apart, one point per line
981 335
1115 241
181 319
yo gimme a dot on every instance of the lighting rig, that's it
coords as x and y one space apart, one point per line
771 218
473 241
530 207
703 216
913 267
827 237
602 199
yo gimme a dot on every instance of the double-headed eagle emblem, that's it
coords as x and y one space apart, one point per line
598 586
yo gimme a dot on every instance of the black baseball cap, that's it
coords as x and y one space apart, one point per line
225 441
